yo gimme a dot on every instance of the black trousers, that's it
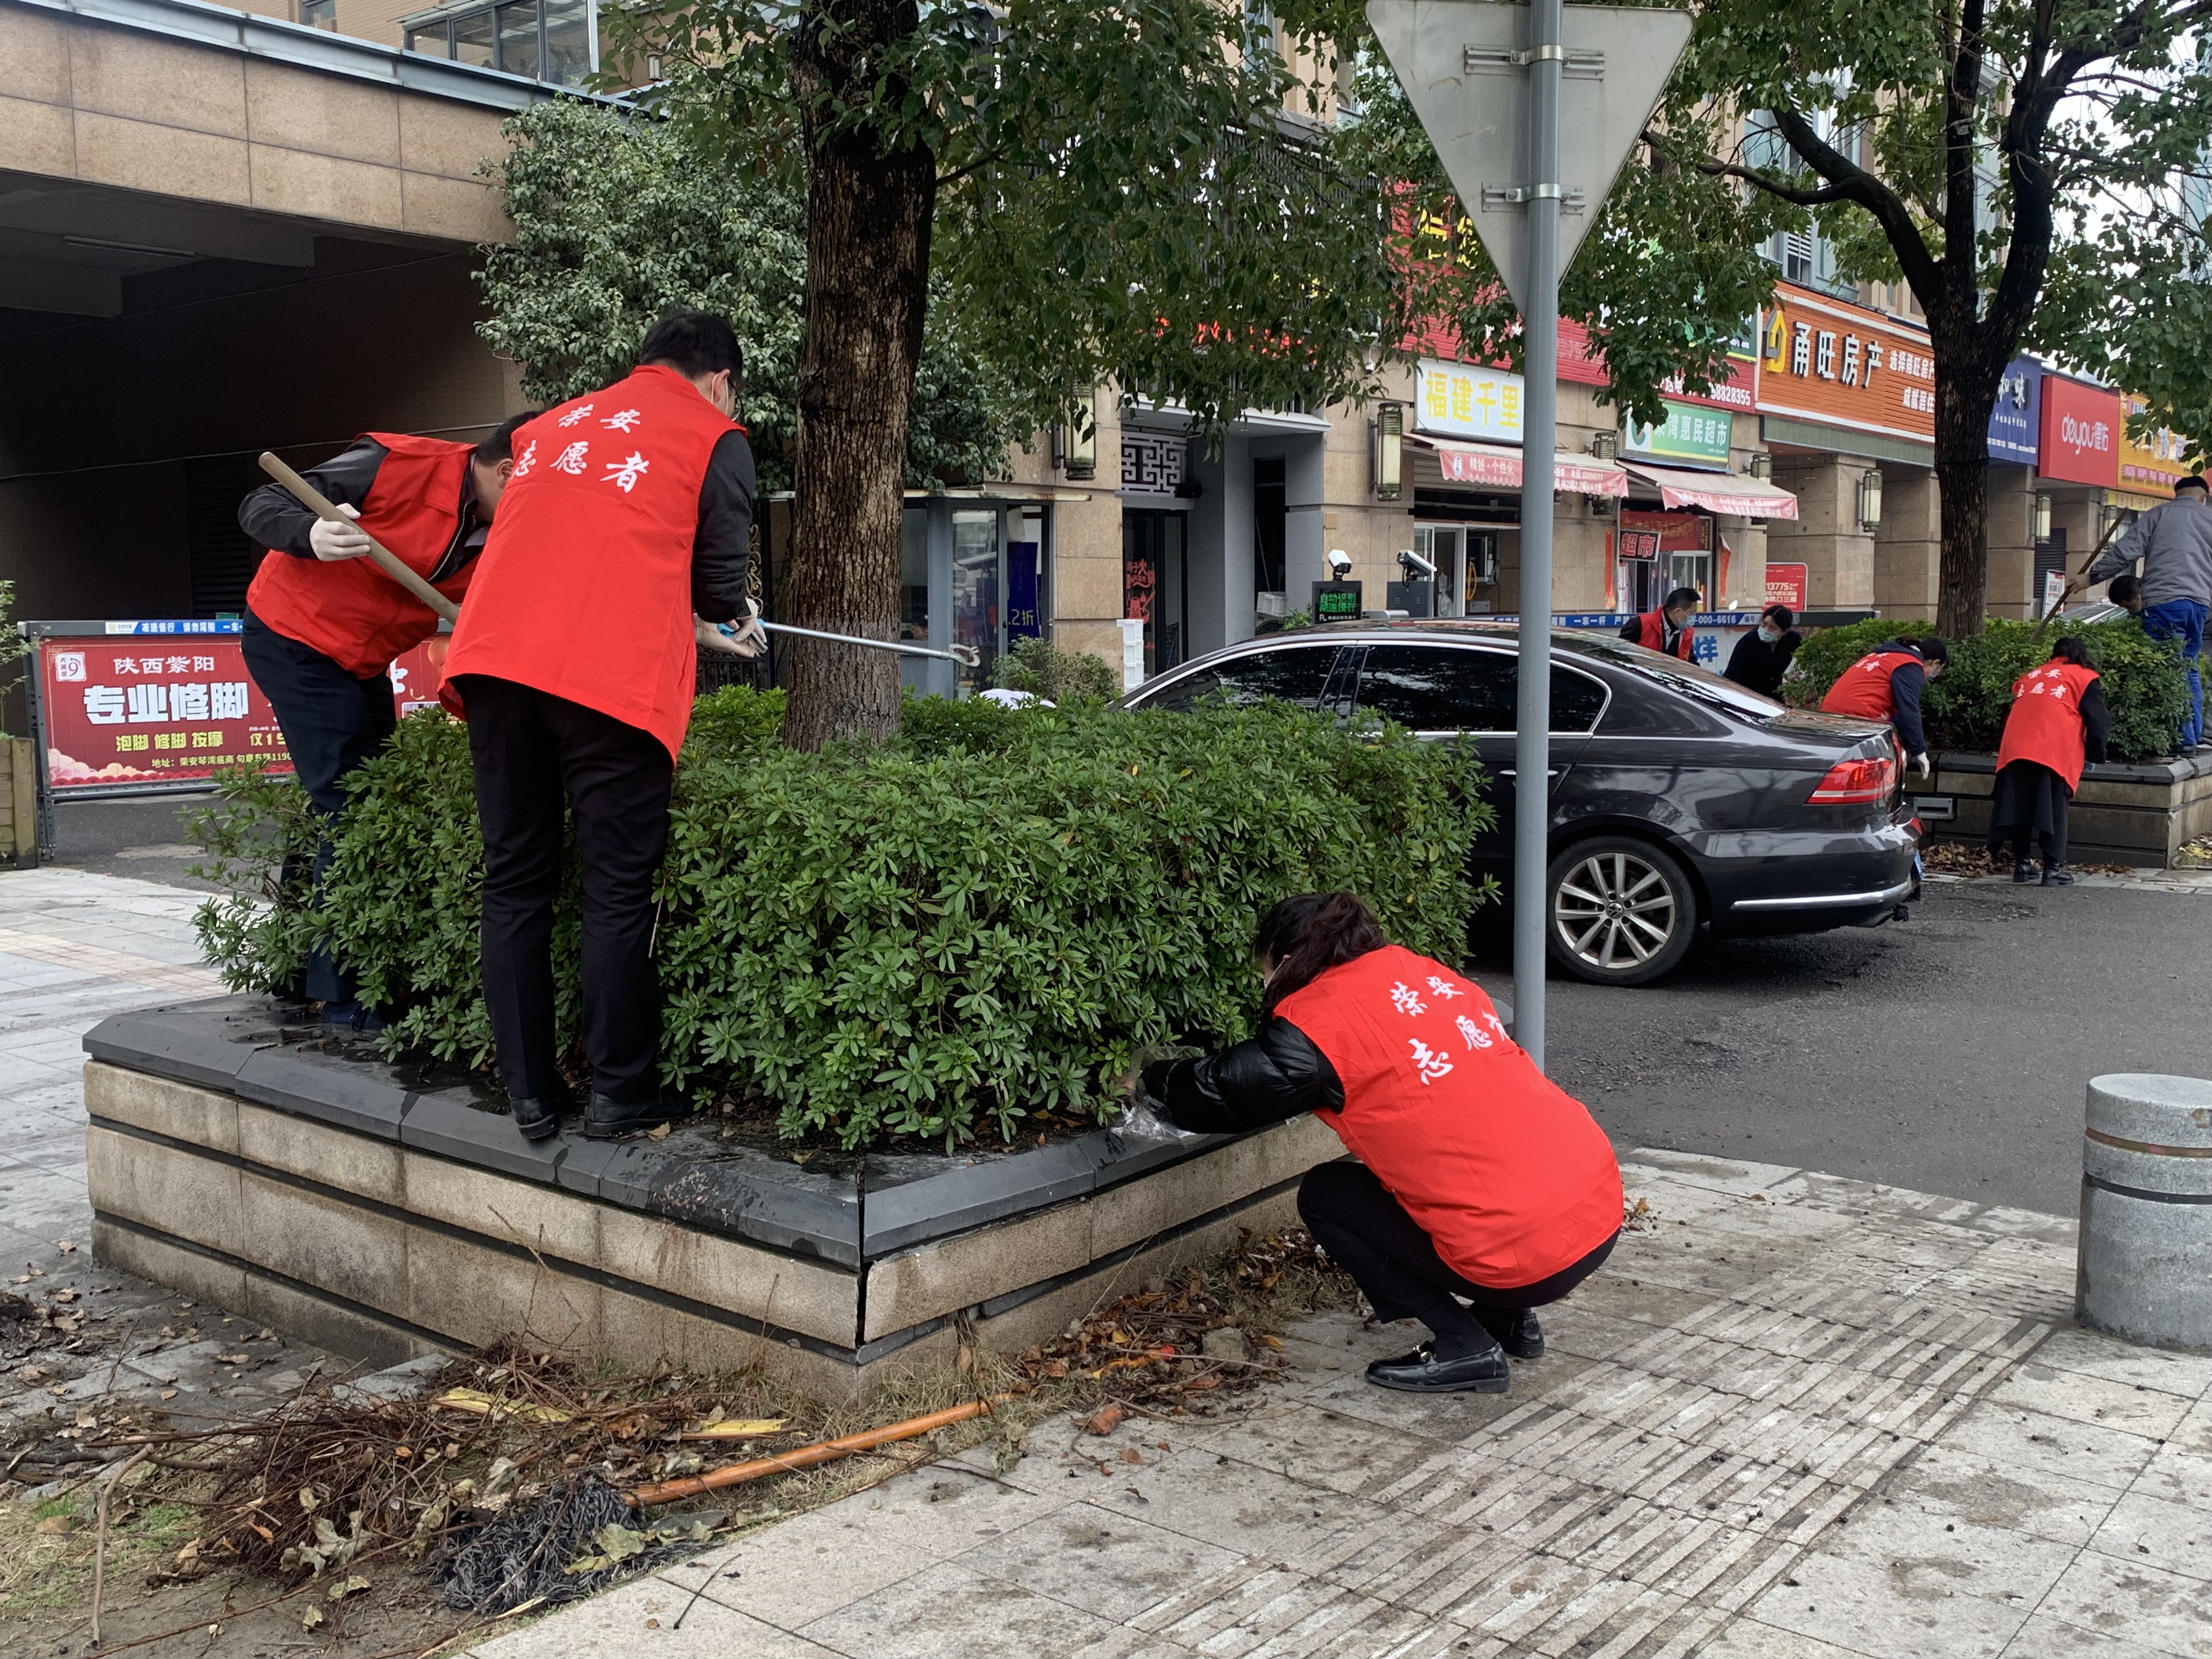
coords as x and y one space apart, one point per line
331 722
1366 1231
530 750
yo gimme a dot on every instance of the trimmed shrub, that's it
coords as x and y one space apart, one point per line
994 913
1042 668
2145 685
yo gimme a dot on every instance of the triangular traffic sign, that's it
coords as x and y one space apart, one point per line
1455 59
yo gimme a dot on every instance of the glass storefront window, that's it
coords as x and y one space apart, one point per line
472 40
567 41
517 40
976 611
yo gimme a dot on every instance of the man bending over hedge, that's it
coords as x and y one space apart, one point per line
2174 542
574 662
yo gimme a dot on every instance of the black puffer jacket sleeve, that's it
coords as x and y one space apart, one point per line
1277 1075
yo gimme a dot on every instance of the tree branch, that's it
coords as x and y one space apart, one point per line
1714 168
1919 264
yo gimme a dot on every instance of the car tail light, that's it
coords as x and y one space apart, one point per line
1864 778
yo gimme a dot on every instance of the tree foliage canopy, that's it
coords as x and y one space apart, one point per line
618 217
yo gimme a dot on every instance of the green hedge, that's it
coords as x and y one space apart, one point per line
991 915
2145 686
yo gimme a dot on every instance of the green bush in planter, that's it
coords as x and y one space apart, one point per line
2144 684
990 915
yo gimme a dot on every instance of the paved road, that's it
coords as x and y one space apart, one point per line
142 836
1947 1055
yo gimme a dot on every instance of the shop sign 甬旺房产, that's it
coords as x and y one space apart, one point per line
1824 360
1467 400
1697 437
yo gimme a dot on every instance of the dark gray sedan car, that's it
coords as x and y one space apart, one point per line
1680 801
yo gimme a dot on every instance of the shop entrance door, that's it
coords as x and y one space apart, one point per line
1155 579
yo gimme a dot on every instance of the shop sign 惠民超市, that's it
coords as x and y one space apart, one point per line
1839 364
1467 400
1697 437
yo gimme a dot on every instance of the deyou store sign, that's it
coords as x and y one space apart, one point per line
2081 428
131 707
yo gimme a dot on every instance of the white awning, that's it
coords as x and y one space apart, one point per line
1717 492
1499 467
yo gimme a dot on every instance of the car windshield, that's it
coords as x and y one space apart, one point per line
1671 672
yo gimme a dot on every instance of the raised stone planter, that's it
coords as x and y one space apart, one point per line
2121 814
357 1204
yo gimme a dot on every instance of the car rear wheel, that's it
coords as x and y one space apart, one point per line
1620 911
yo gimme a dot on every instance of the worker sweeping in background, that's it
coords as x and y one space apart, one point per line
625 523
2056 724
1479 1181
323 625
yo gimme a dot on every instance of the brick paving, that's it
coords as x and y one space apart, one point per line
1797 1417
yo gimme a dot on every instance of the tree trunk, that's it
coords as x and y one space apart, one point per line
1963 398
868 221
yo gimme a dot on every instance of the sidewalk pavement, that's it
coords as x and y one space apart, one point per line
1797 1417
74 948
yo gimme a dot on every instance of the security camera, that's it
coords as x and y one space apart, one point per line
1414 565
1340 563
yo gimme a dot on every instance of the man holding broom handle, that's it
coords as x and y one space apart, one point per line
323 623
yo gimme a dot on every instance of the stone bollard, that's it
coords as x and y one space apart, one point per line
2144 1273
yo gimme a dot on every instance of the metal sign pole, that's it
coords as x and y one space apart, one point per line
1539 315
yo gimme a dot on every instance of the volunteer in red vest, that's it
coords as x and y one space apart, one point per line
323 623
2057 725
1667 628
1478 1180
1886 684
574 662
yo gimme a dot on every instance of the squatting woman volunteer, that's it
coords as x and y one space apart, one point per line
1478 1180
2056 725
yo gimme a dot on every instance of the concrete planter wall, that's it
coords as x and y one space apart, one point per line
332 1196
2121 814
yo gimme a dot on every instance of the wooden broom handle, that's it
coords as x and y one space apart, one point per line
314 499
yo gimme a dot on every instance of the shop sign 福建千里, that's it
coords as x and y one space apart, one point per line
2081 435
1838 364
2014 431
1467 400
1690 435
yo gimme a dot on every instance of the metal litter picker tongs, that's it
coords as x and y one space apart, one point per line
390 563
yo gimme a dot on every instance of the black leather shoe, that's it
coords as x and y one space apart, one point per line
2057 875
2023 870
606 1120
1422 1372
537 1118
1515 1330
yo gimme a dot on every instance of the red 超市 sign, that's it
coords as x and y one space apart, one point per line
141 710
2082 426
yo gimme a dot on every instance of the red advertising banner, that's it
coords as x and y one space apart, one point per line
1786 585
149 704
139 710
2082 426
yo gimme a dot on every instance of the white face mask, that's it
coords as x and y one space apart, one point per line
1769 633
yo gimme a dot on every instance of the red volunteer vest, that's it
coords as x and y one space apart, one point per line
583 589
1504 1171
350 610
2044 724
1654 637
1864 688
